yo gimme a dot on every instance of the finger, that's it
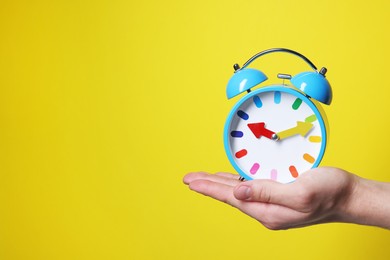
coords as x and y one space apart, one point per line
211 177
218 191
189 177
268 191
228 175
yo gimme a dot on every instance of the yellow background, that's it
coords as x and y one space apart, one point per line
105 105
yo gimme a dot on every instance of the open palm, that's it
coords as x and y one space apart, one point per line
320 195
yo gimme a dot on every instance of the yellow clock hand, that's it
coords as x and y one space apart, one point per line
302 129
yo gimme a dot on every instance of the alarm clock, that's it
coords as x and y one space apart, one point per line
277 131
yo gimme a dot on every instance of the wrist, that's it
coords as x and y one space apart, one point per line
367 203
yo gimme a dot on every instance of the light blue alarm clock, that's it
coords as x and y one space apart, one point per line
276 132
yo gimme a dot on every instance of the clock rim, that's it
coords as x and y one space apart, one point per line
281 88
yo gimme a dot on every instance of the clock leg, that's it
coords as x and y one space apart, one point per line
241 178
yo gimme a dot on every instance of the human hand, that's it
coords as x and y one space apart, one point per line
318 196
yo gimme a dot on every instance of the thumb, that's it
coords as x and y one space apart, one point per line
267 191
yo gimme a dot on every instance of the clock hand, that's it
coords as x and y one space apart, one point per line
258 129
302 129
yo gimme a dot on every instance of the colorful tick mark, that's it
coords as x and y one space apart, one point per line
297 103
293 171
308 158
255 167
274 174
277 97
241 153
242 115
310 119
315 139
237 134
257 101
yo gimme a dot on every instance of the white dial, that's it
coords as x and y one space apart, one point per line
275 133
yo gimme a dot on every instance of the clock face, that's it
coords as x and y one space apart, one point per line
274 133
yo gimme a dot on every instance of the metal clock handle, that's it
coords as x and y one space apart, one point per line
236 66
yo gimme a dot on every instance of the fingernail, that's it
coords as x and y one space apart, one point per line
243 192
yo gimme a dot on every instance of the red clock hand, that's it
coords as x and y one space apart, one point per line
258 129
